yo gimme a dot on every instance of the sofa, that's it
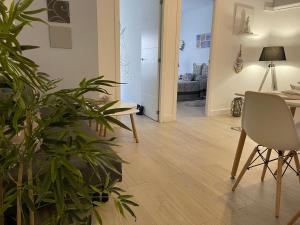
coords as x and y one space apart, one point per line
192 86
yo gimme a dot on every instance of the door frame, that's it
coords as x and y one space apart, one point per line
211 59
170 37
171 14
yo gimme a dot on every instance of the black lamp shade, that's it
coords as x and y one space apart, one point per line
272 54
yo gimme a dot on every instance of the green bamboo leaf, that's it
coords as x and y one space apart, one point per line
29 203
98 217
71 167
119 207
37 11
17 116
117 122
128 202
107 106
24 5
114 111
53 170
128 209
28 47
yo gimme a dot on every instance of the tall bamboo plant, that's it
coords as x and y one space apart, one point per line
42 155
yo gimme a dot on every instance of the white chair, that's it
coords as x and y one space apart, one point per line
268 121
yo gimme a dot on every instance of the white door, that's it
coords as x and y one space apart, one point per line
150 52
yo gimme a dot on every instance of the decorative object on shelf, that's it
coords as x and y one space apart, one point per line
203 40
272 54
60 37
236 107
244 18
182 45
239 64
58 11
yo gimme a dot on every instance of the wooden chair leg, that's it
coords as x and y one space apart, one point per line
238 153
294 219
266 165
297 163
278 185
134 128
90 123
244 169
285 159
97 126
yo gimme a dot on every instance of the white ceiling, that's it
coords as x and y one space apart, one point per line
190 4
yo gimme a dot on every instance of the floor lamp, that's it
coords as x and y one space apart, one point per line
271 54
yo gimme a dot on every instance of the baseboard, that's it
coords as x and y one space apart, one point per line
219 112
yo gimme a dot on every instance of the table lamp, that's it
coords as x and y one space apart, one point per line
272 54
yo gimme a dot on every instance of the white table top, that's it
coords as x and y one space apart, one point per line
293 103
291 100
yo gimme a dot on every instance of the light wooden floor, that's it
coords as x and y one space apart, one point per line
180 173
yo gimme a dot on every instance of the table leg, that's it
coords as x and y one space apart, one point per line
238 154
134 128
294 219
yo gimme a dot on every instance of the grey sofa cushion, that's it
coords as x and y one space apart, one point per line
188 77
197 69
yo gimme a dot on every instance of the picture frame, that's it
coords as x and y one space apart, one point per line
243 19
203 40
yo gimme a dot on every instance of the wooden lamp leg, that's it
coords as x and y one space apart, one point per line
134 128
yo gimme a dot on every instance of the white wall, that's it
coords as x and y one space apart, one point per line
194 21
130 40
278 28
109 42
72 65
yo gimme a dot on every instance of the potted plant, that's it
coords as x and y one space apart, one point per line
52 171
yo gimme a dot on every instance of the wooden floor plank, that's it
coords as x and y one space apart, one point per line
180 175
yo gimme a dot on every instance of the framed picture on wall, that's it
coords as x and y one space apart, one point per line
244 19
203 40
58 11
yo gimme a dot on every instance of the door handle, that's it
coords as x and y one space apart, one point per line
143 59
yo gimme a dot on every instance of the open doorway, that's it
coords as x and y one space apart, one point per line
140 32
196 26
